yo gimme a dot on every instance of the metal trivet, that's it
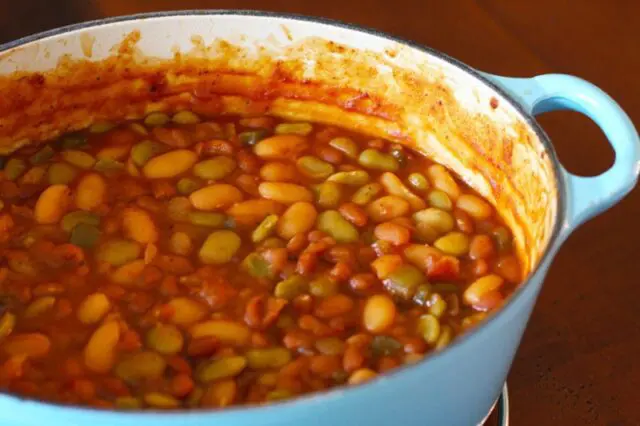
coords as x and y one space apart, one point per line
499 415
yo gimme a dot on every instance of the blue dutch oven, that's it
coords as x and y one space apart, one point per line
459 385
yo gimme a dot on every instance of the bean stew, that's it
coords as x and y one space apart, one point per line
181 262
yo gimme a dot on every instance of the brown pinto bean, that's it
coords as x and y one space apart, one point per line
340 272
333 306
296 243
481 247
298 340
354 214
329 154
362 282
508 267
464 221
353 358
325 365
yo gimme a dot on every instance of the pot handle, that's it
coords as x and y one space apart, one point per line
587 196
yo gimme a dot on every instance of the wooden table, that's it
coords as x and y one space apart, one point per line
579 361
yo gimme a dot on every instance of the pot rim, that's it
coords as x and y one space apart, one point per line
536 274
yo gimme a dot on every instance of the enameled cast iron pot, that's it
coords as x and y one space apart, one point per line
479 125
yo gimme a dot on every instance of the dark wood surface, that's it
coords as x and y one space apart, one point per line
579 363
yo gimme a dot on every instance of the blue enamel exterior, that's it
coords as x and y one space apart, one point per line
458 386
